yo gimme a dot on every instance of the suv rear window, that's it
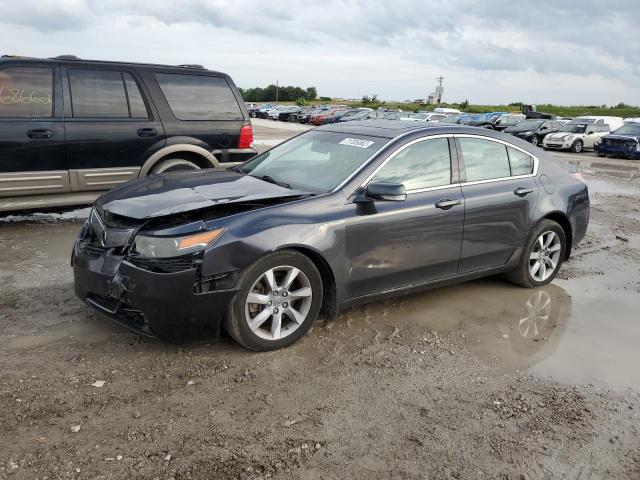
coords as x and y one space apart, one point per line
26 92
199 97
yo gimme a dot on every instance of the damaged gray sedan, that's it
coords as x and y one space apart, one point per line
338 216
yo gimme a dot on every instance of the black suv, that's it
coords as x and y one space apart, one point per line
70 128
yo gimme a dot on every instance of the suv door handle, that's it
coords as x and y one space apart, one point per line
39 134
446 203
147 132
521 192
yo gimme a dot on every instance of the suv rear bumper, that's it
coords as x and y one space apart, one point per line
234 155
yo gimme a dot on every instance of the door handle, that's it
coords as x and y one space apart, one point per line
147 132
446 203
40 134
521 192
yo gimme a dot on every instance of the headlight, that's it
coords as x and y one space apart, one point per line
527 133
165 247
569 138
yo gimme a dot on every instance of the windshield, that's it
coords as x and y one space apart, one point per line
315 161
530 124
574 128
628 130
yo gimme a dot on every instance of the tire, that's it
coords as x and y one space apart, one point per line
253 115
577 146
535 140
522 275
174 165
265 334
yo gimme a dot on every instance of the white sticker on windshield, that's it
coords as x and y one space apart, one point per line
357 142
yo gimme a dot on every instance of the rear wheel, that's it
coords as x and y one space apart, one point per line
542 256
279 299
174 165
577 146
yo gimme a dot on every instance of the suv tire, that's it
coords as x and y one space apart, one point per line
266 280
174 165
529 274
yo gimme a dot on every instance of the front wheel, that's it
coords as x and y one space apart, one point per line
279 299
577 146
535 140
542 256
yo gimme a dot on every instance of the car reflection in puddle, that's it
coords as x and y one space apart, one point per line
510 327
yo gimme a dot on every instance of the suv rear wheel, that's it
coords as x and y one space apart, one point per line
174 165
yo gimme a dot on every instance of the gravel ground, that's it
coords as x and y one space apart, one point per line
461 382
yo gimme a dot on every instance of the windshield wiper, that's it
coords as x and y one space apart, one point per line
270 179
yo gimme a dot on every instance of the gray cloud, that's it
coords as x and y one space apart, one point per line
583 38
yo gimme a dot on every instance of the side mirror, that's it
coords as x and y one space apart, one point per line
386 191
543 128
590 132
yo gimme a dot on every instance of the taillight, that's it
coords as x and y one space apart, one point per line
578 176
246 137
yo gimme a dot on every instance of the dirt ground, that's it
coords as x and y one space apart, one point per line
480 380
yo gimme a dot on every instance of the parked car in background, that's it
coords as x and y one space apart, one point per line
424 117
576 135
497 121
359 115
534 131
340 114
285 115
452 118
274 113
263 249
470 118
318 118
631 120
70 128
623 142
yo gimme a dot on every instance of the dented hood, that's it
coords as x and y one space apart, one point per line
168 194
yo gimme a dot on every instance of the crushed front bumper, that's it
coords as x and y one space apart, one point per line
150 303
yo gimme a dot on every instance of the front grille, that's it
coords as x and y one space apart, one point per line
163 265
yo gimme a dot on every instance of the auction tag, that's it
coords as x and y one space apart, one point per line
357 142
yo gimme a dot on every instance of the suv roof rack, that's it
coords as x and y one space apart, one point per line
191 65
65 57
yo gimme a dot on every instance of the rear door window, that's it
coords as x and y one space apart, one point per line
136 101
424 164
484 159
26 92
98 94
521 163
199 97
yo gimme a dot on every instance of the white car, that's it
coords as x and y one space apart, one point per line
274 112
576 135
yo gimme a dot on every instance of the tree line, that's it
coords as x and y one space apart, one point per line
284 94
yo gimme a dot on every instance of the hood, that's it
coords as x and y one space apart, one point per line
635 138
168 194
562 134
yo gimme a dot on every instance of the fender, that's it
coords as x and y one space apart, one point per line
181 147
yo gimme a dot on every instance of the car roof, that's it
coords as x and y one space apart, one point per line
70 60
397 128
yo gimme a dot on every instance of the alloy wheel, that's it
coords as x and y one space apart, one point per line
545 256
278 302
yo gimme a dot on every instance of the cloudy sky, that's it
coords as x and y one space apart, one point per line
490 51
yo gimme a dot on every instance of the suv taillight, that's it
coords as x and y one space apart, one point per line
246 137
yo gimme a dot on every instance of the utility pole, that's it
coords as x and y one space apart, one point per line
440 89
277 88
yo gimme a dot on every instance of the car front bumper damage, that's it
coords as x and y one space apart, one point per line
150 303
